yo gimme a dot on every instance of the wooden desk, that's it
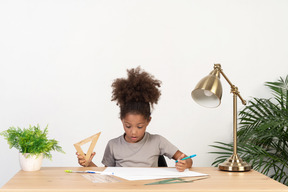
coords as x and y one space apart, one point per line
55 179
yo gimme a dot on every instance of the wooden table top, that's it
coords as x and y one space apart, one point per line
56 179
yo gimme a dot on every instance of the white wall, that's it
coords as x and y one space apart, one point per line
58 60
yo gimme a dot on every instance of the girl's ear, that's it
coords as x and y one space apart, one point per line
149 119
122 121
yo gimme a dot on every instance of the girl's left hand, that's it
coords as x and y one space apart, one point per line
181 165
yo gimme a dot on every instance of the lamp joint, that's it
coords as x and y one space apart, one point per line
218 66
234 90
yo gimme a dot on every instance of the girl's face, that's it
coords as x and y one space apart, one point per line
134 127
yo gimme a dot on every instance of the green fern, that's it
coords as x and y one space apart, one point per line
263 135
31 140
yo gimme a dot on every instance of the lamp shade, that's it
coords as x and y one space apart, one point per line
208 92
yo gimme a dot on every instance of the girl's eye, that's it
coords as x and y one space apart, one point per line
139 127
127 126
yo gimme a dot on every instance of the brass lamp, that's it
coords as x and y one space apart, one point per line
208 93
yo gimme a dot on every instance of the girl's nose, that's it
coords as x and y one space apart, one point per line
133 131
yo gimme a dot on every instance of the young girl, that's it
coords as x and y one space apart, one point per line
137 148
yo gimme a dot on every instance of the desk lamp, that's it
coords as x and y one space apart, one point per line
208 93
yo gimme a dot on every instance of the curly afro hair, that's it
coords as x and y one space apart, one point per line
137 93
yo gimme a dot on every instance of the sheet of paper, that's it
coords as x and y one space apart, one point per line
96 178
137 173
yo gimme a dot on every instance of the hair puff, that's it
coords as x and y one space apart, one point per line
139 86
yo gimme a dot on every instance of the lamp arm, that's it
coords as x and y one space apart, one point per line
234 89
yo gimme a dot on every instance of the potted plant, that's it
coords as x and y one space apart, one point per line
263 134
32 144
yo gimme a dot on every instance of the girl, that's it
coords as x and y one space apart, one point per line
136 96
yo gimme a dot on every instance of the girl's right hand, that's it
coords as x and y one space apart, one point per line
82 161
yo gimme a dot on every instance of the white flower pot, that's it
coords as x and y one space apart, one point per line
31 163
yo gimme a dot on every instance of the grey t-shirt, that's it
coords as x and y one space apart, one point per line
145 153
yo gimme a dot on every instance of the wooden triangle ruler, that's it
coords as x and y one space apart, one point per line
93 139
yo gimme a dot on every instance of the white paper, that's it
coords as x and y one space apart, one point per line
137 173
96 178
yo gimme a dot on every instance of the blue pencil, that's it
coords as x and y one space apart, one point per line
186 158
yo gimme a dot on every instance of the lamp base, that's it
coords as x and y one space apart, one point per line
234 163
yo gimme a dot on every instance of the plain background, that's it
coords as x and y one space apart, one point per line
58 59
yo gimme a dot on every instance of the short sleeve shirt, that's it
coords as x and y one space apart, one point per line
145 153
